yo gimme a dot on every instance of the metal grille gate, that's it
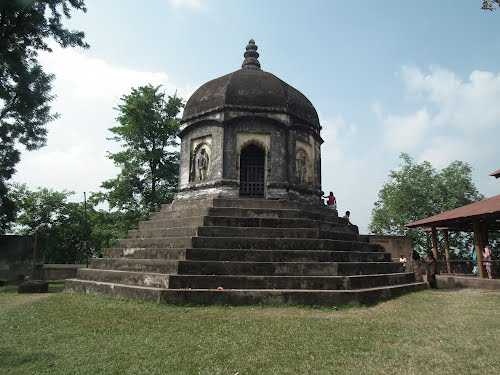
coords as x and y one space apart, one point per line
252 164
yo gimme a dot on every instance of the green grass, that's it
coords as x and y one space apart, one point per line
440 332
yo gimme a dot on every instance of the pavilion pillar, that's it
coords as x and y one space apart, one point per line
434 242
485 233
479 246
447 249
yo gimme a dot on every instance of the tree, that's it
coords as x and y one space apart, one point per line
149 160
68 233
26 27
60 224
416 191
490 4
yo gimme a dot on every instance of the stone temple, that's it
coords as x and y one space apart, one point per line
248 224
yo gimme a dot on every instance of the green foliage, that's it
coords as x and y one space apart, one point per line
416 191
67 232
7 208
490 5
149 160
26 26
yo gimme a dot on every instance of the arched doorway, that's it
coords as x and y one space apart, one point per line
252 170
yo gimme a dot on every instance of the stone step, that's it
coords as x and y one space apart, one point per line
244 297
163 232
192 221
233 203
113 289
127 264
280 244
249 243
148 279
254 203
187 204
250 212
188 267
253 255
171 242
287 282
234 221
179 213
145 253
366 296
213 231
285 213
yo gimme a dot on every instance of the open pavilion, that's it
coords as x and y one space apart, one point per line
480 218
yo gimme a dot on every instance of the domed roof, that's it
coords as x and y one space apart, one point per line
250 89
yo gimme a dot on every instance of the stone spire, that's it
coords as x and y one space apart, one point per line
251 56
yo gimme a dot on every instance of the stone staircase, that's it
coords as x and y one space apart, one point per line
245 251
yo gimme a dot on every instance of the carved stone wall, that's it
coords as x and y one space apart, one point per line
292 157
205 138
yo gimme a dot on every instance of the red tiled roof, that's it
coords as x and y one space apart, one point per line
489 206
496 173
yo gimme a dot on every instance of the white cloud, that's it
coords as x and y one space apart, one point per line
191 4
335 132
403 133
88 89
439 84
457 115
441 150
91 78
467 105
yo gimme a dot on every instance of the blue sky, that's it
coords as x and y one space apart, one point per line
385 77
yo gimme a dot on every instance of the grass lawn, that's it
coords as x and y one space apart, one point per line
442 332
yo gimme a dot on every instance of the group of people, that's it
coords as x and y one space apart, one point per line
331 202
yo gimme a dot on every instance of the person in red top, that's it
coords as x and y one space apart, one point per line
331 201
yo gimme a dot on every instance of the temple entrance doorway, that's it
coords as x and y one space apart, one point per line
252 171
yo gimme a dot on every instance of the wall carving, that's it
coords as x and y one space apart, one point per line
304 162
301 166
200 160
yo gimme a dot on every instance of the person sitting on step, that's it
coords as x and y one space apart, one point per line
331 201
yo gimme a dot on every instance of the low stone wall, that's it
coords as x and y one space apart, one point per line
16 256
60 271
453 281
395 245
56 272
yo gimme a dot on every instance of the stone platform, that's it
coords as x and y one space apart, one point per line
245 251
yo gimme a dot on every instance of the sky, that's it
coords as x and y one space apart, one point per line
421 77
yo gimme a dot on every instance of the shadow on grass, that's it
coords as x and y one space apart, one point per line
54 287
12 359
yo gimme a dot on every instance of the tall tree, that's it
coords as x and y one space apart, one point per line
416 191
68 231
149 160
490 4
26 27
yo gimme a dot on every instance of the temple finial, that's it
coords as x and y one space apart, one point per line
251 56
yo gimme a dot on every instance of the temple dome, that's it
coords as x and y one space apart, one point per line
250 89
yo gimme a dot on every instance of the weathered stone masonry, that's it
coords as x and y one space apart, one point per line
251 107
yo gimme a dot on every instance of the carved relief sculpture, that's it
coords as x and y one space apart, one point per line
301 167
202 162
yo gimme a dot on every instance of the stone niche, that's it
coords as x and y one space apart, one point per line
199 161
201 157
307 173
